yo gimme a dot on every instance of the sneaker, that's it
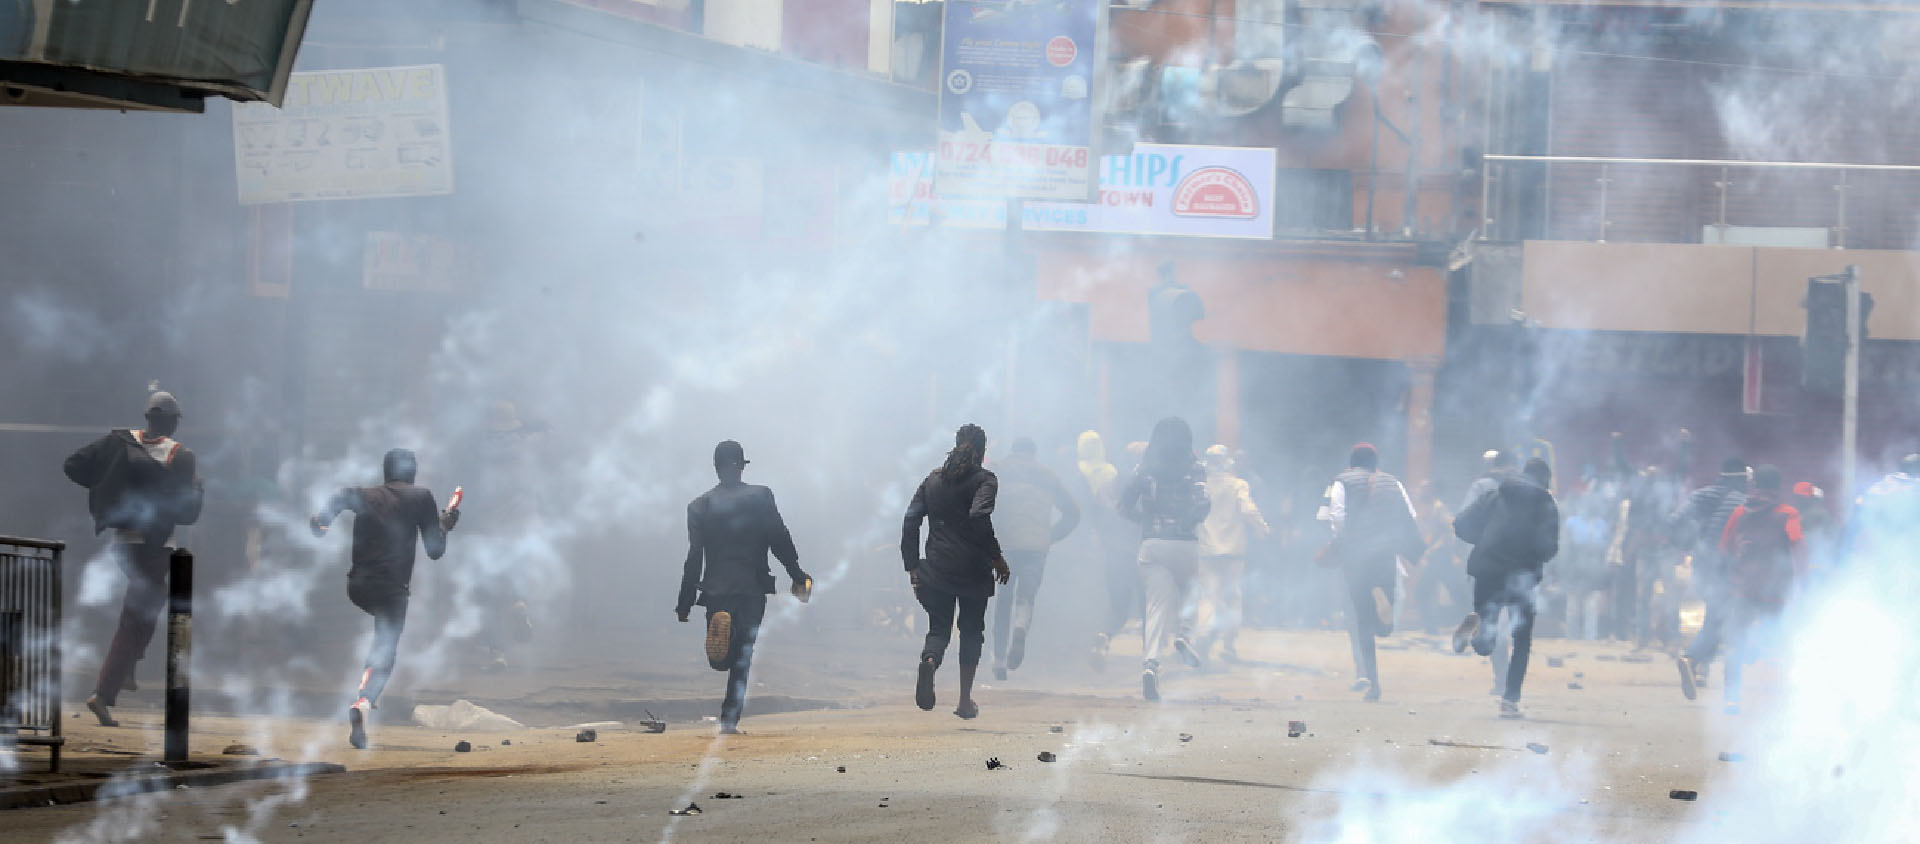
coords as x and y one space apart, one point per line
1688 685
1097 658
967 710
1510 710
1187 654
720 640
1463 635
923 688
999 672
1383 607
1016 652
357 724
1150 685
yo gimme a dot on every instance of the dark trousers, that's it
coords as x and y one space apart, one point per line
1124 598
1363 618
747 611
145 566
971 617
387 604
1511 594
1013 607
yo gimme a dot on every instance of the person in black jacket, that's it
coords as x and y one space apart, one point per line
141 484
730 530
1514 532
1167 497
387 519
1374 528
961 564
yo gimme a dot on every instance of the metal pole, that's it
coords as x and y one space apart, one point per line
1840 213
1850 399
179 650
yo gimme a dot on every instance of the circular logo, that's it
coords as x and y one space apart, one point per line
1023 120
959 81
1061 51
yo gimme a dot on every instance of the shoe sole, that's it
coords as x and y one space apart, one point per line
1687 686
967 714
1186 652
719 640
1017 652
1463 635
1150 687
357 736
923 687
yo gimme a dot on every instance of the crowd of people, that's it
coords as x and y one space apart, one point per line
1619 553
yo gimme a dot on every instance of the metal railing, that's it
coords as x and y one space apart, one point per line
30 645
1560 217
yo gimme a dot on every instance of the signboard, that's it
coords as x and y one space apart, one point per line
242 50
347 134
1017 107
1161 189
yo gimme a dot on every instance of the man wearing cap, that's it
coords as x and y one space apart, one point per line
1699 523
387 520
140 484
730 530
1029 496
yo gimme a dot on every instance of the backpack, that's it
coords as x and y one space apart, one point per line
1760 557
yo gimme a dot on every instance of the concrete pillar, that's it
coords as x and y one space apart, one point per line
1420 420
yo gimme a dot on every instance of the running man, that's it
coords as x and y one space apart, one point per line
962 562
730 530
387 519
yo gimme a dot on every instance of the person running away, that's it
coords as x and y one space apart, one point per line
1514 532
1116 544
730 530
1764 552
1374 526
1167 497
141 484
962 562
387 519
1231 518
1699 523
1029 496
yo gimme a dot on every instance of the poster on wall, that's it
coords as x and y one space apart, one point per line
347 134
1159 189
1018 105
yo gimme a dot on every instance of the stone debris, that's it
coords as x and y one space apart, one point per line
994 764
1732 757
1046 756
1056 729
586 736
692 809
1537 747
724 795
1682 794
241 750
1186 737
463 747
1296 728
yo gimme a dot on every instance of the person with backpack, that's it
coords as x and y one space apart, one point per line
962 562
387 520
141 484
1763 544
1167 497
1514 532
1374 527
1698 524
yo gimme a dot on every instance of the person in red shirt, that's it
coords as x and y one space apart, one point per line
1764 551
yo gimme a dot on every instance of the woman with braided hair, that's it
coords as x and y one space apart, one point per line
955 577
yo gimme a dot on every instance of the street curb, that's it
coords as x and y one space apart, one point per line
29 797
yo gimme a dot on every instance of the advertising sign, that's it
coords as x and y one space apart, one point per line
1162 189
1017 106
347 134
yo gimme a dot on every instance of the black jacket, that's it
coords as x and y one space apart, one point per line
1515 529
961 546
127 489
1167 504
730 530
386 520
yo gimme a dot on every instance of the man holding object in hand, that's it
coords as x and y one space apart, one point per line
962 563
730 529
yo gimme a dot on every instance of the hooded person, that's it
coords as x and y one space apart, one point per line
1514 532
955 575
1232 518
387 521
731 529
141 484
1374 526
1697 524
1029 496
1167 498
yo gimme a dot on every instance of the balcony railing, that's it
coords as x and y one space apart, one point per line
1663 200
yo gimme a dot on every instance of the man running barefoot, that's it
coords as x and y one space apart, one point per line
387 518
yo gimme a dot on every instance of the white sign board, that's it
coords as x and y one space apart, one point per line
347 134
